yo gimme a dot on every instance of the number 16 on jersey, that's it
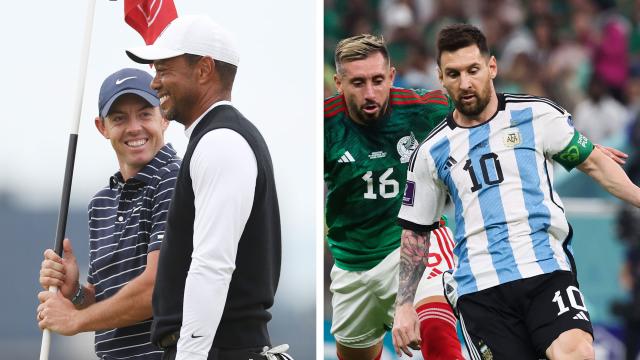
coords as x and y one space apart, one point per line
386 187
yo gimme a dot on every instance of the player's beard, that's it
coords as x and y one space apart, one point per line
364 117
172 111
169 113
476 107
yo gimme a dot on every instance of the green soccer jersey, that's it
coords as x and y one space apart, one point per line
365 168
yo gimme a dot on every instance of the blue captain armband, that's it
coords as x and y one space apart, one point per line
575 153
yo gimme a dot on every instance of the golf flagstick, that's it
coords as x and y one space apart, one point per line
71 155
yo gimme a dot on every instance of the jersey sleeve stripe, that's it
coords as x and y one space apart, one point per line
433 94
409 94
417 227
446 246
420 101
328 107
412 159
436 130
546 172
443 250
332 99
410 91
449 242
401 90
518 98
336 111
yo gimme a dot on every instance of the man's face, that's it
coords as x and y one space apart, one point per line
175 83
468 76
135 129
365 85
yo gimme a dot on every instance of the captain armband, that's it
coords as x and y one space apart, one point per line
575 153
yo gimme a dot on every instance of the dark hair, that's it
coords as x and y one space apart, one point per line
458 36
226 71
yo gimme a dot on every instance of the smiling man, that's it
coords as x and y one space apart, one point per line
126 227
220 263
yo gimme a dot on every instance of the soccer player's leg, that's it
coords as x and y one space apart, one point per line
348 353
362 305
439 340
559 321
492 325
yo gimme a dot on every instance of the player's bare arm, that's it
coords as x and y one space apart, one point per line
131 304
414 251
611 176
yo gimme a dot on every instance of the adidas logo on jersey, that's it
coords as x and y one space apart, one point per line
450 162
435 272
346 158
581 316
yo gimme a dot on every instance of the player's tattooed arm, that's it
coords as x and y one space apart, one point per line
414 259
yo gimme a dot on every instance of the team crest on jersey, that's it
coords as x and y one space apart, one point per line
512 138
485 351
406 145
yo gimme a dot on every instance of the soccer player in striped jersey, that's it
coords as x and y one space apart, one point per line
126 227
515 283
370 131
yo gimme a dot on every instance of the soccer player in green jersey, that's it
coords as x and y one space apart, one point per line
370 131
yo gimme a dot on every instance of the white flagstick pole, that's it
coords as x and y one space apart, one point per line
71 155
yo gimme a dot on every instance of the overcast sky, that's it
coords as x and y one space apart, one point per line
275 89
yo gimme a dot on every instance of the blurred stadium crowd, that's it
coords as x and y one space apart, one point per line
583 54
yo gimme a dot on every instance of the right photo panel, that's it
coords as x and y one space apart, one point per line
481 174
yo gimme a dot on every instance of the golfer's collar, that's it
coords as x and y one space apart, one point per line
148 171
193 125
116 180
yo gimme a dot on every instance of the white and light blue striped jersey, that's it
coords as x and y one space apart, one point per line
510 222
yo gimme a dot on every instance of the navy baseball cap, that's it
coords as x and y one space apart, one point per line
126 81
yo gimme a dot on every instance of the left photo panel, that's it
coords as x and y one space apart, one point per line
158 194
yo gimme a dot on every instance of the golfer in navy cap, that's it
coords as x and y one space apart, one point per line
126 227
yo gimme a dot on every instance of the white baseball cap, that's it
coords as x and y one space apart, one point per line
189 34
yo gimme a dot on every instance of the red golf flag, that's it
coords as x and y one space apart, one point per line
149 17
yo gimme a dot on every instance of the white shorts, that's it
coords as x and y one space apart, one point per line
363 301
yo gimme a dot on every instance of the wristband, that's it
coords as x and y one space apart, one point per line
78 298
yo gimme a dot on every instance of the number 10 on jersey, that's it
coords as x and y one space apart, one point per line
490 179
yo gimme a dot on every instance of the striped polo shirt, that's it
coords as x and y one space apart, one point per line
126 221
